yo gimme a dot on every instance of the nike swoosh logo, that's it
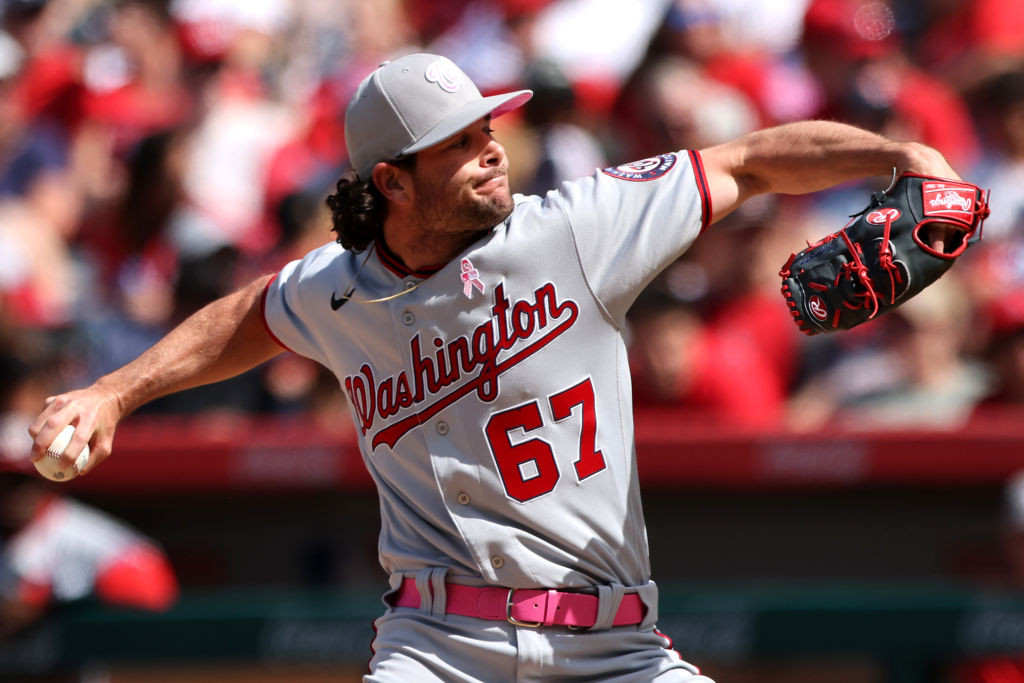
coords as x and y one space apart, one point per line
338 303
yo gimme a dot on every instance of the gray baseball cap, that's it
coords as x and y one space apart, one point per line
411 103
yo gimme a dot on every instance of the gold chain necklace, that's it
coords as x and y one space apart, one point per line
349 290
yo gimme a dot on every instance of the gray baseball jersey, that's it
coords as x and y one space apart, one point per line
493 400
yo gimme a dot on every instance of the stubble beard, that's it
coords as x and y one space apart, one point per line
453 223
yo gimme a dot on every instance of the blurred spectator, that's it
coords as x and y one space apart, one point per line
1004 352
53 549
914 374
367 34
48 81
39 216
212 29
1002 168
135 82
772 28
22 389
597 43
225 167
740 262
669 352
567 150
134 265
56 550
966 41
853 48
490 40
198 281
660 112
748 46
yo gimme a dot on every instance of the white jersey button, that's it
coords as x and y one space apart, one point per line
408 318
463 498
442 428
410 284
497 562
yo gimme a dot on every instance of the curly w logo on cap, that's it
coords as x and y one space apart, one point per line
445 74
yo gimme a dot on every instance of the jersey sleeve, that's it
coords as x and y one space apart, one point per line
285 307
629 222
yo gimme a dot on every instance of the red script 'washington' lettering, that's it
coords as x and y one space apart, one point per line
537 322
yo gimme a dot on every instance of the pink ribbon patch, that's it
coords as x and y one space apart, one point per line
470 279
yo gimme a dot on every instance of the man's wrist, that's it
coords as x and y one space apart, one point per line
115 398
913 157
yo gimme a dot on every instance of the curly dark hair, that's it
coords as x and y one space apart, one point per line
358 209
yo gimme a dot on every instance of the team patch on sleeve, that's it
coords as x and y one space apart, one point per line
645 169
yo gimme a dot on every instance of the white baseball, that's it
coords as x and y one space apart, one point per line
49 465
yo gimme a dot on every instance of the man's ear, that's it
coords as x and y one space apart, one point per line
392 182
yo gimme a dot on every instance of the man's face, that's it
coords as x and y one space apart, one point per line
461 184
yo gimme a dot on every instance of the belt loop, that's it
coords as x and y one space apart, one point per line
440 603
394 585
649 596
608 600
424 589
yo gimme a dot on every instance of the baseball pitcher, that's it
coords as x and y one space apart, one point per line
478 337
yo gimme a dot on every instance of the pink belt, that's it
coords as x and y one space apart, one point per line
524 606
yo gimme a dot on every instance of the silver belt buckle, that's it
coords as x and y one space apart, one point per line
512 620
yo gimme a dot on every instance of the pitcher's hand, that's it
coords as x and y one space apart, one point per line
94 411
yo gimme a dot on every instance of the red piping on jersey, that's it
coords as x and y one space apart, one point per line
671 645
395 265
702 188
373 647
263 315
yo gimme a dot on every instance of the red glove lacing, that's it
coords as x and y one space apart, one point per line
885 261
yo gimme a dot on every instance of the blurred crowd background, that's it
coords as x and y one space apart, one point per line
155 154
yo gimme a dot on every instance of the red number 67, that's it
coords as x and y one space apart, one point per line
524 484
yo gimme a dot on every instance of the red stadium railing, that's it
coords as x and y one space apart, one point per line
244 453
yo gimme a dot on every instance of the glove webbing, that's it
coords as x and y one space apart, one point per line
857 268
885 261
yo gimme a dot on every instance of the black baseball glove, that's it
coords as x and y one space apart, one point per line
885 255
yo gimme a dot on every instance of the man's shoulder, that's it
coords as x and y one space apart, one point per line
330 256
327 252
554 200
524 202
535 210
320 267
